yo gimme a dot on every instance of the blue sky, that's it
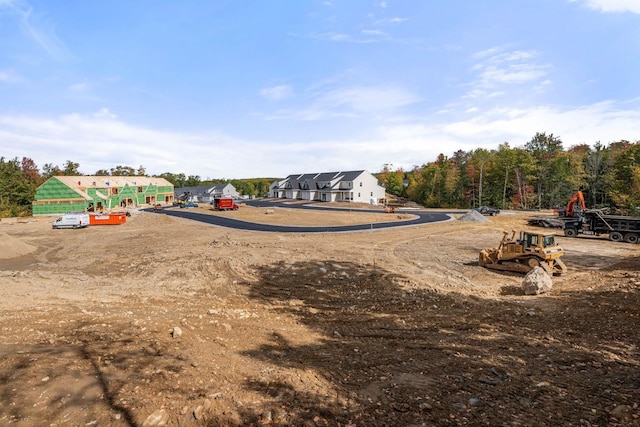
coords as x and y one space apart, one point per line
268 88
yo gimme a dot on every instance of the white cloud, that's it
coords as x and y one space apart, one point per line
374 32
346 38
368 99
104 113
9 77
496 69
632 6
391 21
79 87
10 3
410 144
101 141
277 93
349 101
38 30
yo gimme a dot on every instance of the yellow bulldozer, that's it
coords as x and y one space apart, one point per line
521 255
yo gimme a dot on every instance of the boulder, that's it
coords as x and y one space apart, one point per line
537 282
158 418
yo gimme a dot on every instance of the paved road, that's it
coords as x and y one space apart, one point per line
422 217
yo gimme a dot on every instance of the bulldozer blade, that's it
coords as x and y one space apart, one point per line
559 267
509 266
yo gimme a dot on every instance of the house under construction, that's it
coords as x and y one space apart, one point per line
63 194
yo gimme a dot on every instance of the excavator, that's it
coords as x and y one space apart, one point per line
521 255
572 210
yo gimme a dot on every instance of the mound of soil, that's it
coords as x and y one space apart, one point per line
11 247
473 216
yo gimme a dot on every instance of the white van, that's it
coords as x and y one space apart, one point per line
78 220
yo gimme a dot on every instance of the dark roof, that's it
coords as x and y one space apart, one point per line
313 179
200 189
218 186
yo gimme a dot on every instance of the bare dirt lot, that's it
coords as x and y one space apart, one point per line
165 321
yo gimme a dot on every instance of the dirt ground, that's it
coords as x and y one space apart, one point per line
165 321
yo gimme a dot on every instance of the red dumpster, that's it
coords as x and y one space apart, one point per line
107 219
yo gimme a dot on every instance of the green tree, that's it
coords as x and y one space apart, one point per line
192 181
123 171
49 170
544 149
243 186
178 180
16 190
416 188
480 159
394 183
71 168
504 170
525 173
596 166
625 174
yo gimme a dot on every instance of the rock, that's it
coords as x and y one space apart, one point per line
266 417
621 412
536 282
158 418
176 332
198 412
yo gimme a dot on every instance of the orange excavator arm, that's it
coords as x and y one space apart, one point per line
578 198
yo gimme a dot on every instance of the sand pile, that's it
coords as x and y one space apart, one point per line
10 247
473 216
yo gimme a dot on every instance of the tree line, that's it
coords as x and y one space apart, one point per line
542 174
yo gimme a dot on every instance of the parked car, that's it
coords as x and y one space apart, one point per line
486 210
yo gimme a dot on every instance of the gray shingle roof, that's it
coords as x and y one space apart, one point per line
318 180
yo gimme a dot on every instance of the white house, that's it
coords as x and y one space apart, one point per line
223 190
204 193
350 186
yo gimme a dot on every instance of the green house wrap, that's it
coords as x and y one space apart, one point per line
64 194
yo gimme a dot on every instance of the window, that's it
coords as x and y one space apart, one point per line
372 194
358 195
360 184
139 189
548 241
114 191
